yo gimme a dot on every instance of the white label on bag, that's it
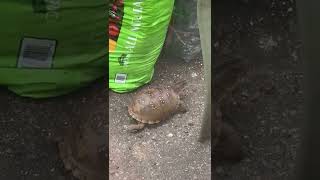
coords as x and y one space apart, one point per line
121 78
36 53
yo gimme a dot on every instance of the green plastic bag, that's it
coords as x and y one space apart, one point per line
137 31
51 47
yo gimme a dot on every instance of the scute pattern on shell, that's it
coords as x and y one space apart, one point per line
152 105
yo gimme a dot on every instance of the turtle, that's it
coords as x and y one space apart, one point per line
83 153
227 76
82 144
153 105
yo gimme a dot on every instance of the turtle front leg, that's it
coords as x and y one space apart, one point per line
182 108
136 127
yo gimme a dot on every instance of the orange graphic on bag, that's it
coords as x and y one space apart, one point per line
115 22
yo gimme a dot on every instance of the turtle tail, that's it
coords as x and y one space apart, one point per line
179 86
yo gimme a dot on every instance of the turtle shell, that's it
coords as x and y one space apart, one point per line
82 146
83 152
152 105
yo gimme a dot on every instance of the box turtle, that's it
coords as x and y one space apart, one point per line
83 144
83 152
152 105
227 76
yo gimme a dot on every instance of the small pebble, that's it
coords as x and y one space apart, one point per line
194 74
170 135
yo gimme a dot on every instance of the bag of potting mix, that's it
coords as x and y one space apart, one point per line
137 30
51 47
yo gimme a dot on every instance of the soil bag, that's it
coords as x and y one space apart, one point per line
51 47
137 30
